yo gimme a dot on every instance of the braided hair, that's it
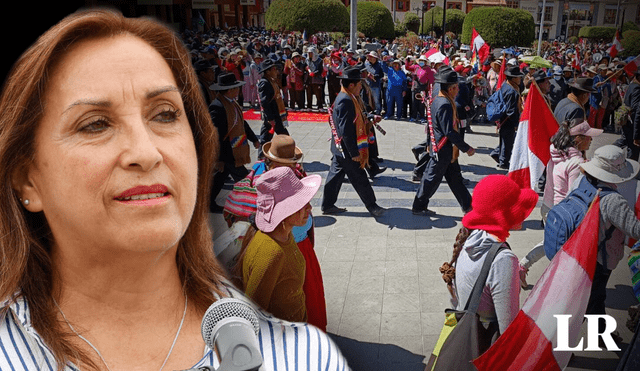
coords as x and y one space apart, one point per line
447 269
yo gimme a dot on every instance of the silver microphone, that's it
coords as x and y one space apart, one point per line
230 327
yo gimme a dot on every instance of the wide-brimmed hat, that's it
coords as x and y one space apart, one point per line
447 76
281 194
584 128
268 63
592 69
282 149
351 73
513 71
226 81
499 204
374 55
610 165
583 83
540 76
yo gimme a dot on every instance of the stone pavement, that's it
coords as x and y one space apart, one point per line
381 275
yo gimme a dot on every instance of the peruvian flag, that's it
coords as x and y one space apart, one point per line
615 46
632 66
501 77
576 61
530 153
529 341
479 46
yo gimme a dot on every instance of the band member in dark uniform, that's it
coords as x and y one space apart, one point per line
234 135
274 112
446 142
350 127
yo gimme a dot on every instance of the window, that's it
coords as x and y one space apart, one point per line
513 4
454 6
403 5
610 16
431 4
548 13
579 15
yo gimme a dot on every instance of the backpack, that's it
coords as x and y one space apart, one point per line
496 106
563 218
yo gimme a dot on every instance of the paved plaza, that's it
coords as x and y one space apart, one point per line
383 288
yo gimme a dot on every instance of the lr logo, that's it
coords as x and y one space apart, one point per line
592 333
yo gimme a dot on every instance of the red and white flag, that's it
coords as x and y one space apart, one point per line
501 76
632 66
576 60
479 46
564 288
616 46
530 153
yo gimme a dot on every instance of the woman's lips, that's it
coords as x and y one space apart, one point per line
143 192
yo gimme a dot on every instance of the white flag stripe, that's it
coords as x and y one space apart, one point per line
520 151
570 298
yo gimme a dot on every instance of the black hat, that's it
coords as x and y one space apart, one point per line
226 81
351 73
447 76
513 71
201 65
584 84
268 63
540 76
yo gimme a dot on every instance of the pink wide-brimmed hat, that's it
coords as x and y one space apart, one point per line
584 128
281 194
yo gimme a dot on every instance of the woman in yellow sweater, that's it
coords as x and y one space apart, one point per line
272 267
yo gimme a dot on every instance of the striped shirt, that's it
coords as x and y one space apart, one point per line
284 345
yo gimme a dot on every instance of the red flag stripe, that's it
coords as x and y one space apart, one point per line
534 349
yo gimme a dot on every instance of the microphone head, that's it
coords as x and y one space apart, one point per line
226 309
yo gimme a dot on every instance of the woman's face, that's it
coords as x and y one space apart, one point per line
115 164
300 217
583 142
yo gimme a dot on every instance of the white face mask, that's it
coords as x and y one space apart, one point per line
557 77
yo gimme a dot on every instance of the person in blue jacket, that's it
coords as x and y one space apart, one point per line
374 79
442 162
396 86
510 118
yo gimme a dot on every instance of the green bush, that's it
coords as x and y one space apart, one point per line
374 20
573 39
631 43
455 19
599 33
310 15
630 26
500 26
400 29
412 22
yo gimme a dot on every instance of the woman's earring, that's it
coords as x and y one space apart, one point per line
25 202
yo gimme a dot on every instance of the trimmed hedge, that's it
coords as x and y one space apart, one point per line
500 26
374 20
597 33
455 19
630 26
631 43
310 15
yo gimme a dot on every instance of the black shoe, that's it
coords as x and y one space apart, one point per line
469 129
503 166
495 157
216 209
373 174
378 159
375 210
333 210
423 212
416 178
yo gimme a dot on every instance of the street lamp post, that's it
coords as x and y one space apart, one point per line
444 24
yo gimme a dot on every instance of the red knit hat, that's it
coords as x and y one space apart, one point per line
499 205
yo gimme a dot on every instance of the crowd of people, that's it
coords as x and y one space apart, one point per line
448 94
111 241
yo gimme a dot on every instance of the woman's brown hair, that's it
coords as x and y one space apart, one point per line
27 268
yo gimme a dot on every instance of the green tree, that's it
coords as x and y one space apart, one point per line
455 20
500 26
631 43
630 26
310 15
412 22
374 20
